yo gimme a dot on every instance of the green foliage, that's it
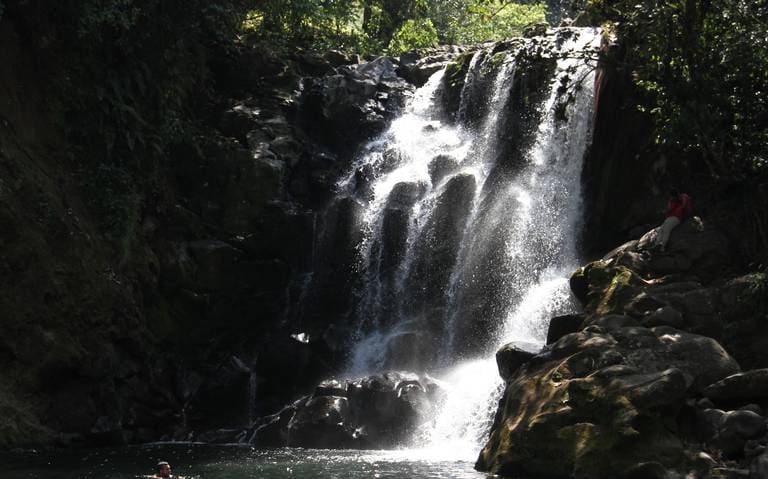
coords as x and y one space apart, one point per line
414 34
464 21
371 26
704 69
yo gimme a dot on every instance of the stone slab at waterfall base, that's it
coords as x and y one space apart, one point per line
627 395
373 412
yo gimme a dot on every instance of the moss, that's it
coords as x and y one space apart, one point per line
605 288
457 70
494 63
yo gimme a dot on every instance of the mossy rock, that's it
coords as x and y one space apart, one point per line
604 404
604 288
453 81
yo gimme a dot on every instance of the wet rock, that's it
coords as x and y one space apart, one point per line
664 316
559 326
331 387
272 431
742 424
513 355
404 195
376 411
322 421
394 238
707 424
438 245
440 167
740 388
613 321
609 391
712 364
418 66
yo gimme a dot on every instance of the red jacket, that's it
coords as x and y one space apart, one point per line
682 209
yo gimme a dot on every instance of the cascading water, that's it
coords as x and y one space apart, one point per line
470 229
541 250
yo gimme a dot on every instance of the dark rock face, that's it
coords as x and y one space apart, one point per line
354 104
380 411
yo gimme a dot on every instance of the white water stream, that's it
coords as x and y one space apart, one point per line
530 220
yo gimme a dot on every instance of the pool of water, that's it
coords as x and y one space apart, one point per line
232 462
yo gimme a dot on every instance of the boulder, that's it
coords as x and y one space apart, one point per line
605 288
664 316
742 424
440 166
693 248
740 388
610 322
331 387
404 195
707 424
322 421
602 402
513 355
735 429
712 362
559 326
378 411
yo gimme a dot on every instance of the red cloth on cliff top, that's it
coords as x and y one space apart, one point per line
681 209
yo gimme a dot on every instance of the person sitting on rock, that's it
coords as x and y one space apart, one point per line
679 207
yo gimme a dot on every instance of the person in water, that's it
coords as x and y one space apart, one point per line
163 470
679 207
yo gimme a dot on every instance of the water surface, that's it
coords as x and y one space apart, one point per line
231 462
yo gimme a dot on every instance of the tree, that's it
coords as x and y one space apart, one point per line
703 66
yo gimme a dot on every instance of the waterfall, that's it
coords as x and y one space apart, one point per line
470 227
541 251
